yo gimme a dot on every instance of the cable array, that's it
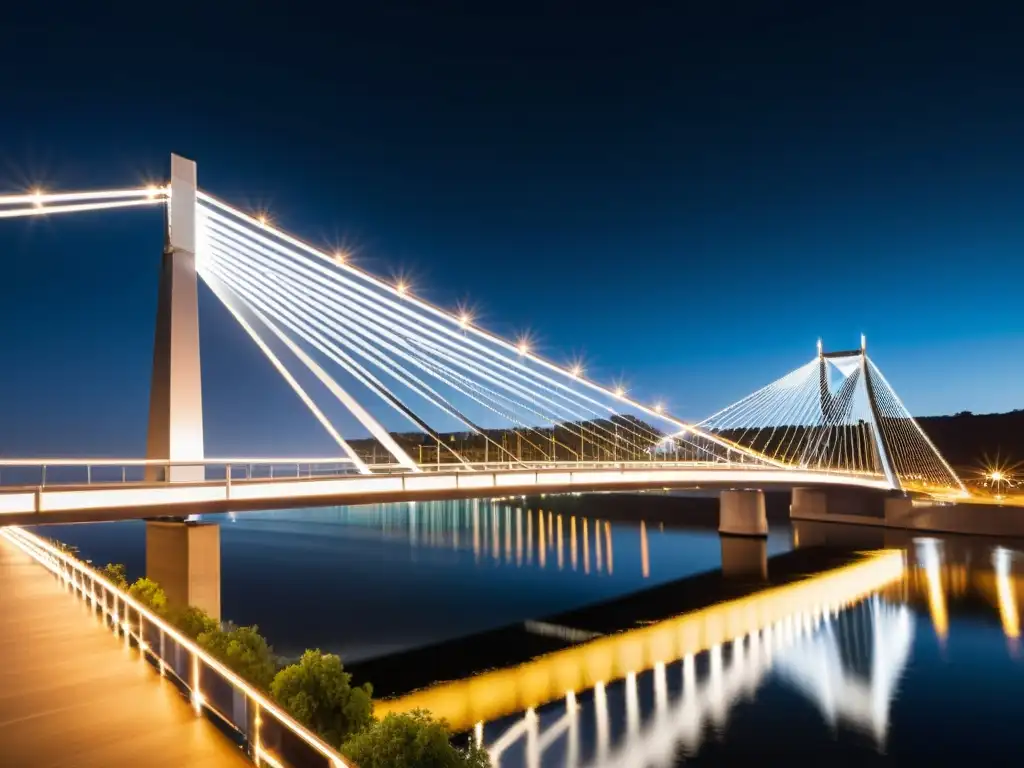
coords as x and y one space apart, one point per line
915 459
837 413
427 386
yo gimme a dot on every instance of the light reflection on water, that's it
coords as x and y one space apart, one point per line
674 708
895 652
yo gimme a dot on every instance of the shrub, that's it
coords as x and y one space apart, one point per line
116 574
150 594
413 740
318 692
244 650
192 621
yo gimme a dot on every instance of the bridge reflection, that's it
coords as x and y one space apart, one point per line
760 619
643 697
847 664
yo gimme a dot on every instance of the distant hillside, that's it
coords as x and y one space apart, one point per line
966 438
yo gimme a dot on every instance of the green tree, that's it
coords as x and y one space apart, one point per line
149 593
413 740
116 574
193 621
318 692
244 650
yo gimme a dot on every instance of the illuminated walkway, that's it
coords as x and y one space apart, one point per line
71 694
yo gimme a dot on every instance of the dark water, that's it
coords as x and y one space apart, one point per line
926 671
364 581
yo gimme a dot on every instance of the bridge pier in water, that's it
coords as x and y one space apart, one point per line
184 558
742 513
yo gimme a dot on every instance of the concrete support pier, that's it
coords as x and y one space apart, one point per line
742 513
184 559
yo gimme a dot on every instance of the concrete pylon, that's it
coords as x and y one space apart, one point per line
175 395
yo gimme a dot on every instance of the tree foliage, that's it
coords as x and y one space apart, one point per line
318 692
116 574
192 621
150 594
413 740
244 650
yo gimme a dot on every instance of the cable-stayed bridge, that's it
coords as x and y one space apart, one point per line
420 400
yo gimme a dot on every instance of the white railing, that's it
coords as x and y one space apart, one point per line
68 472
269 735
45 472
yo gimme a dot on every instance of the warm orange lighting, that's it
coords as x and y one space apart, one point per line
38 195
402 287
523 346
465 319
53 559
645 561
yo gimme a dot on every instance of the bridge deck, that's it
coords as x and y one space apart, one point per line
71 694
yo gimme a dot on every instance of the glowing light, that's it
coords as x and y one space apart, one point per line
152 191
1008 613
37 197
523 346
340 256
576 370
658 408
620 391
996 476
262 219
402 287
465 319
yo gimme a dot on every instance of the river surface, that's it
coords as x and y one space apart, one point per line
927 669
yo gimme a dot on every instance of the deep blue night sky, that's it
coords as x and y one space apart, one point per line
686 197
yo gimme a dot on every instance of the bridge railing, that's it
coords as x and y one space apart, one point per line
67 472
267 733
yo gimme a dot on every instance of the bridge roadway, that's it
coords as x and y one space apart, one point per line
106 501
71 694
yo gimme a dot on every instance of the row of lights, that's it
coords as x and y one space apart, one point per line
464 318
523 347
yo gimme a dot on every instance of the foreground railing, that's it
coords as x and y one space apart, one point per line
266 732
